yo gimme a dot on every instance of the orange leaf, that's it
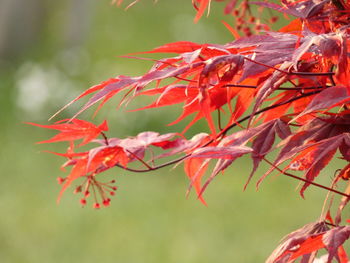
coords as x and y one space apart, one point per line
309 245
195 169
77 129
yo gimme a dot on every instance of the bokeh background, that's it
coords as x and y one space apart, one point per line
50 51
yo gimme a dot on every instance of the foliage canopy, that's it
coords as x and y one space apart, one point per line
284 91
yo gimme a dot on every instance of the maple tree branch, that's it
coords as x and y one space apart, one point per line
222 133
219 119
330 224
316 184
269 108
240 86
297 73
105 138
140 160
290 88
306 181
154 168
184 79
331 77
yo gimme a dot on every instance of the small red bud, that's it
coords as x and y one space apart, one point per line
60 180
97 205
107 202
258 27
112 193
86 193
274 19
83 201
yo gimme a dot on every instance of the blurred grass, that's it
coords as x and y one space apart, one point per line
150 220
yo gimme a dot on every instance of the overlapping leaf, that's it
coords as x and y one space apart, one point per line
311 238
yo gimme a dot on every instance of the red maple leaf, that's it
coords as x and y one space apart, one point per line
74 130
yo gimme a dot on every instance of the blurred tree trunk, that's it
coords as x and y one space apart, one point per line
24 22
78 19
20 25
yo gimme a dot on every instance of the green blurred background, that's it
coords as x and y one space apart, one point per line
50 51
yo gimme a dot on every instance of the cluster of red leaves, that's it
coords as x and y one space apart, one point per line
292 84
310 238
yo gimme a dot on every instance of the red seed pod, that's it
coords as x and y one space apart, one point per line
246 29
252 19
106 202
83 201
274 19
60 180
258 27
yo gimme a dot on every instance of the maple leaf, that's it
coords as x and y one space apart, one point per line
312 146
280 45
334 238
203 4
175 47
135 147
264 141
270 85
292 83
327 99
312 156
181 145
345 199
290 243
310 238
73 130
195 169
88 165
302 9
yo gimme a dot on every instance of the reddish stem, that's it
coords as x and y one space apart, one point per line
221 134
306 181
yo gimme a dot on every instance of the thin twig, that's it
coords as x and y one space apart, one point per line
221 134
305 180
290 88
269 108
291 72
219 119
139 159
